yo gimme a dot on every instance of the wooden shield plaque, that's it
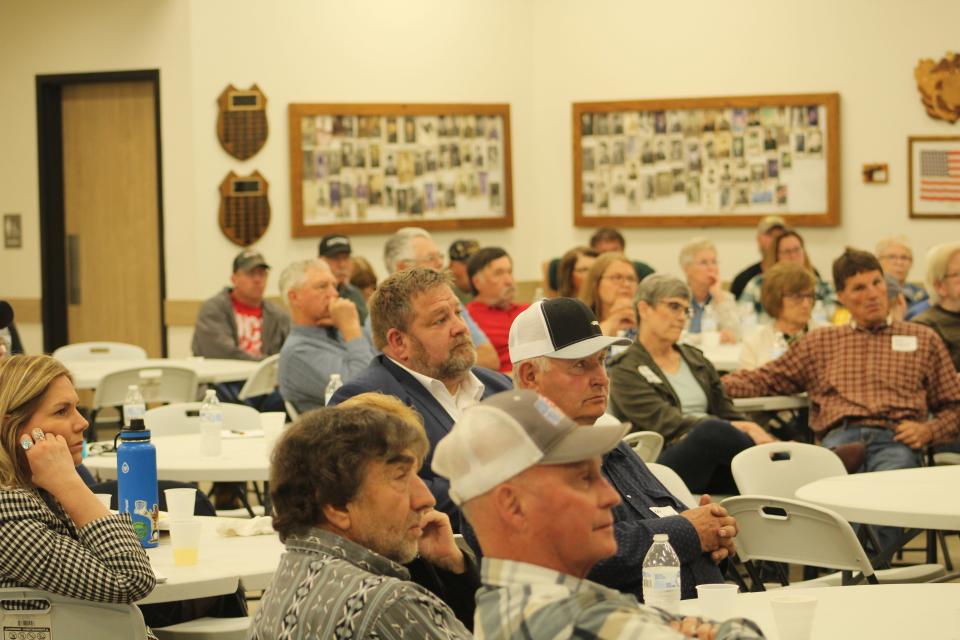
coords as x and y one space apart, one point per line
244 208
242 121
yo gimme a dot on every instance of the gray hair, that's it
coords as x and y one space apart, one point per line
692 248
540 363
295 275
399 247
937 260
893 241
657 287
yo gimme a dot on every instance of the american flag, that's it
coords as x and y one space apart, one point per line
940 176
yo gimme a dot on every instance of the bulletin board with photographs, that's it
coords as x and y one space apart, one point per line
707 161
373 168
934 163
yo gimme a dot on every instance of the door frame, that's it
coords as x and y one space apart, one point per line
50 160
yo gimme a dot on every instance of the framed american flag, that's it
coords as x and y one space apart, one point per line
934 163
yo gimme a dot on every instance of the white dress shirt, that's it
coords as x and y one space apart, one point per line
468 394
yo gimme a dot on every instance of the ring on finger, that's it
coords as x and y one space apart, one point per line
38 434
26 442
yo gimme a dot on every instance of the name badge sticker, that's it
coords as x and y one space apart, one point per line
649 375
664 512
904 343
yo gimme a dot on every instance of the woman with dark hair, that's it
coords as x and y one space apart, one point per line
789 247
573 269
671 388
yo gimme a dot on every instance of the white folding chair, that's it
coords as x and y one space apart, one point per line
674 483
647 444
263 380
72 618
783 530
158 383
291 410
184 417
206 629
99 351
780 468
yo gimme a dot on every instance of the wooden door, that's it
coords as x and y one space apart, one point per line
111 214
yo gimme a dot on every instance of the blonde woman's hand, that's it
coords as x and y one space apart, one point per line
51 463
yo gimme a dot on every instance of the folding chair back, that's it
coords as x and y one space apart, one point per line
99 351
72 618
263 380
184 417
674 483
647 444
784 530
780 468
161 383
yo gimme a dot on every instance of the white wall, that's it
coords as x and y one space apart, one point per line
537 55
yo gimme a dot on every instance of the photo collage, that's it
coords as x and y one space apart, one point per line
373 168
697 160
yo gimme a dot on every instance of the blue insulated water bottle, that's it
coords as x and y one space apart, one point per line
137 481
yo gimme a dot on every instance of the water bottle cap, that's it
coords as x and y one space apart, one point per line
137 424
660 537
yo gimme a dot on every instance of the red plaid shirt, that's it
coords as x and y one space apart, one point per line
852 372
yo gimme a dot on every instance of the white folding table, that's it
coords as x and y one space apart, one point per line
87 374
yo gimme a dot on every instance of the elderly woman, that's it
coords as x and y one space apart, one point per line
572 270
896 258
787 297
57 537
943 284
608 290
671 388
789 247
708 302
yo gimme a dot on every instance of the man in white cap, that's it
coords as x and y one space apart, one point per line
528 479
558 351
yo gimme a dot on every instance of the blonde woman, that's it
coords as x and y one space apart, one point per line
608 290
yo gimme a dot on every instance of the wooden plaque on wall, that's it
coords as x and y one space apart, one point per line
707 161
244 208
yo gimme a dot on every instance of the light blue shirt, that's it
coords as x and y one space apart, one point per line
693 399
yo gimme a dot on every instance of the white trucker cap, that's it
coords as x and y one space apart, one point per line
563 328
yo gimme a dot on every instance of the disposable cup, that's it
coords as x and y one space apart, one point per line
180 502
185 539
794 615
716 600
104 499
210 439
272 424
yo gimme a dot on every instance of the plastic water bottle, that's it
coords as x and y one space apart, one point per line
133 405
211 424
779 345
332 386
137 481
661 575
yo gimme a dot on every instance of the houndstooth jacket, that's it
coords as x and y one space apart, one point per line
41 548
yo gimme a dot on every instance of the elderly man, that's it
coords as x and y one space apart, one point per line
896 258
414 247
491 279
351 511
335 250
460 253
530 483
768 229
607 239
943 280
326 337
238 323
427 359
558 351
890 385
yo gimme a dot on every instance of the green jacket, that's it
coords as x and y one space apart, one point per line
947 324
654 406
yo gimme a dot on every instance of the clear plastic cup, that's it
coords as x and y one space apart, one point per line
716 600
104 499
185 539
180 502
794 615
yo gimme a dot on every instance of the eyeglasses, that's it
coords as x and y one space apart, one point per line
901 257
581 269
677 308
950 275
801 296
431 258
619 278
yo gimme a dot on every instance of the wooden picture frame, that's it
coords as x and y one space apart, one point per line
697 162
374 168
934 170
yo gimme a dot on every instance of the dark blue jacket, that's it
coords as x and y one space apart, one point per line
386 377
635 525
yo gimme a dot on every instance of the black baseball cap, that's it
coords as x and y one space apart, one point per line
462 250
563 328
248 260
333 244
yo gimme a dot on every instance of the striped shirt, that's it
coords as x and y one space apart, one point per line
529 602
329 587
900 371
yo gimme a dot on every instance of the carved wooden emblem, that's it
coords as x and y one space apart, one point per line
242 121
939 86
244 208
